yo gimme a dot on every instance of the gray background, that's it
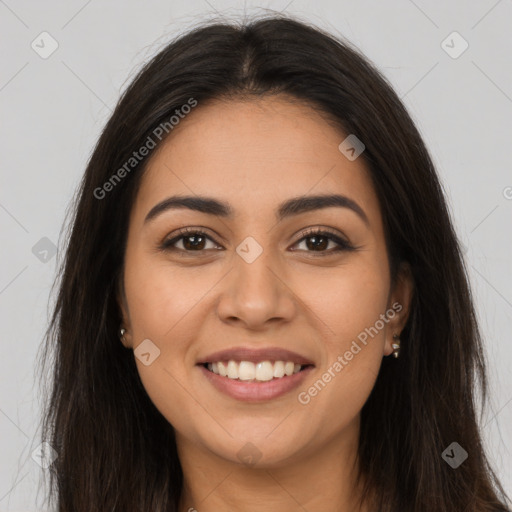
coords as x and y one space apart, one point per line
53 109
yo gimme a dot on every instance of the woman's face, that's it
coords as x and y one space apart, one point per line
257 282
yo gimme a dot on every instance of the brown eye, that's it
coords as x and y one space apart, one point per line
193 242
190 240
319 240
316 241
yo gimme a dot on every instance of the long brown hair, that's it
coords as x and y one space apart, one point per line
116 452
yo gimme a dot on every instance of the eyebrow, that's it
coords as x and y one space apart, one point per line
290 207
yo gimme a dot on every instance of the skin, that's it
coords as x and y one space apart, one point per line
254 155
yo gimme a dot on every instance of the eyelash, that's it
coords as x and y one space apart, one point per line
343 245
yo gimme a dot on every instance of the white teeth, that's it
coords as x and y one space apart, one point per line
279 369
222 369
265 371
247 370
232 370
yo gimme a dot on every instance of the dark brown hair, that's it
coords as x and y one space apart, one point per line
116 452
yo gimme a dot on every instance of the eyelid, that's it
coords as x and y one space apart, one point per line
315 230
342 242
169 241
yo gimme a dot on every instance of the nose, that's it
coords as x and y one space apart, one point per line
256 294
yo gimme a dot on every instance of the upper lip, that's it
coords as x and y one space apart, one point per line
256 355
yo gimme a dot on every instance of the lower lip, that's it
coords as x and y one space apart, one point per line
255 391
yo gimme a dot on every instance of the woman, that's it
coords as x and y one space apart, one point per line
263 304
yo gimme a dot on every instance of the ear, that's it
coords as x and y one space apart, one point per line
127 339
399 305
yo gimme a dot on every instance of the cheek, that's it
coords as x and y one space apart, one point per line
167 307
349 301
351 308
335 398
162 297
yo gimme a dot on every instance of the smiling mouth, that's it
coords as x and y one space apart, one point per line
248 371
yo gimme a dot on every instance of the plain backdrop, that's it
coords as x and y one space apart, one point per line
53 108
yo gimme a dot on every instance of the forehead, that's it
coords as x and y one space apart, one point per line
254 154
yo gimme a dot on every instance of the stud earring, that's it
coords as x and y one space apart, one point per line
396 345
121 334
